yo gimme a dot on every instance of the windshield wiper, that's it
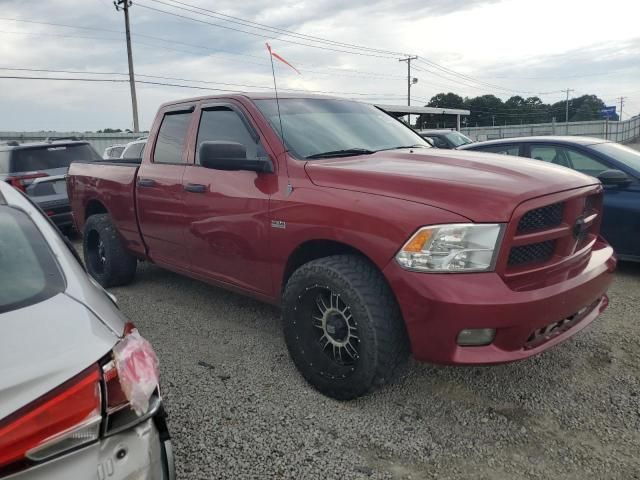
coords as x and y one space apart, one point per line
342 153
403 146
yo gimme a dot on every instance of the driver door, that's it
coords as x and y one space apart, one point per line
227 212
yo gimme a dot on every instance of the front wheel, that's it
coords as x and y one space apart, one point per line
105 256
343 327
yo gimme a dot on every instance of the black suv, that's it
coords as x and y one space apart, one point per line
38 169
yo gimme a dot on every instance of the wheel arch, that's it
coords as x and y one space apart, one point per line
94 207
314 249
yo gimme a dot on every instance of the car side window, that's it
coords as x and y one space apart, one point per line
223 124
172 138
439 142
509 149
584 163
546 153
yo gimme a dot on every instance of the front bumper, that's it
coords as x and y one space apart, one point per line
436 307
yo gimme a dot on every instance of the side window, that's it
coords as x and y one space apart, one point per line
224 125
585 163
502 149
439 142
546 153
171 138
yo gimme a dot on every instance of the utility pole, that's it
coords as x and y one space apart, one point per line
621 104
410 80
125 4
493 120
566 112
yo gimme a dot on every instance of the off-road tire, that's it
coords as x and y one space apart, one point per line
382 339
114 265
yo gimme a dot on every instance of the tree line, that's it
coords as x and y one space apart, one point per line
487 110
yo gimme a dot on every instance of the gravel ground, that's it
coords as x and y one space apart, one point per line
239 409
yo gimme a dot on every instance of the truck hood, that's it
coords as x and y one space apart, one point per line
46 344
482 187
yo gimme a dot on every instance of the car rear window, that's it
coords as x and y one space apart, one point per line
52 156
29 273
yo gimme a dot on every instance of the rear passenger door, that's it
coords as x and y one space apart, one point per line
227 212
159 192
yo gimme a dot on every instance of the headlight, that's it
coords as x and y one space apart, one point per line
463 247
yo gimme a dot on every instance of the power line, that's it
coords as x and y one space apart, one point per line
270 28
259 34
84 72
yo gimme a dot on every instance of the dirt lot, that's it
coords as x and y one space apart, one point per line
239 409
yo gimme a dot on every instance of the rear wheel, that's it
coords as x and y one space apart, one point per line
105 256
343 327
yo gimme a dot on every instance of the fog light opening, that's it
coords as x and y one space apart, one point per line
476 337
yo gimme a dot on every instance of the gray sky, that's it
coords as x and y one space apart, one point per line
515 46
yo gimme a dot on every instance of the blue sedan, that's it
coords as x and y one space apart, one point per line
617 167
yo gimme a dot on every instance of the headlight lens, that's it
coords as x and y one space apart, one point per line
463 247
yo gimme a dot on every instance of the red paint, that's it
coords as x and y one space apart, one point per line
373 204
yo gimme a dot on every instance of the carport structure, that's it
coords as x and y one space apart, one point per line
402 110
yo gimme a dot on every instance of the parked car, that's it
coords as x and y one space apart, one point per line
113 152
445 138
38 169
374 244
78 384
617 166
134 150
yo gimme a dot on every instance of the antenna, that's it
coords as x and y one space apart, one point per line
275 87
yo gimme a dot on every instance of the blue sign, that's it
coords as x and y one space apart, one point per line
608 112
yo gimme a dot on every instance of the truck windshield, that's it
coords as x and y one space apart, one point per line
325 127
29 273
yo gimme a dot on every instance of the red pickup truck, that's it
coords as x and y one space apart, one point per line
375 245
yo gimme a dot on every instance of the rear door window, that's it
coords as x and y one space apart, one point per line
51 157
172 137
29 273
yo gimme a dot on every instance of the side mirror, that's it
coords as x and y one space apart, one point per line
614 177
230 156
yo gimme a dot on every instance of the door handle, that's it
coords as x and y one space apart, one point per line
146 182
195 188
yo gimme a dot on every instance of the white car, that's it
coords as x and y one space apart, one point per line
113 152
79 393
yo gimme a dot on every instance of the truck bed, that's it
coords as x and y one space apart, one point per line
95 186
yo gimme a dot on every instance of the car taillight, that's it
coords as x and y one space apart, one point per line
131 379
21 181
65 418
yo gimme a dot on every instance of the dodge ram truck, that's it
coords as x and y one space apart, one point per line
375 246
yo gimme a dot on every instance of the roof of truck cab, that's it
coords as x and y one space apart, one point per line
251 96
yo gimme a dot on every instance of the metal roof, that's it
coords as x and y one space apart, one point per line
415 110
